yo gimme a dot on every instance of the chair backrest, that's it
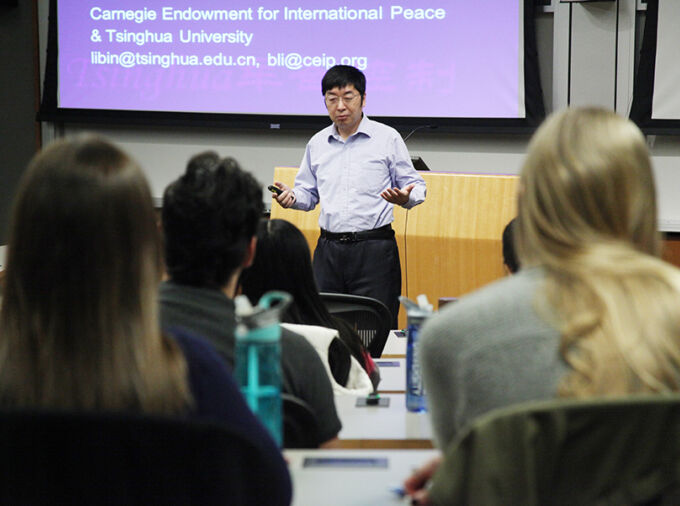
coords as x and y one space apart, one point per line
368 316
599 451
300 425
67 458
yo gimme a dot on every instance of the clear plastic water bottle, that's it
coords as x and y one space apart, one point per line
416 314
258 358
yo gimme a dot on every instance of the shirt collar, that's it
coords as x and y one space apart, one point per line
170 288
364 128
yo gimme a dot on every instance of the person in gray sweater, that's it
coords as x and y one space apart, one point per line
490 349
592 312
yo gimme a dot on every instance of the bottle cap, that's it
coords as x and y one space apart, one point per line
423 303
267 313
422 309
243 306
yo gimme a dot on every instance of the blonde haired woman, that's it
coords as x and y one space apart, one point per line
592 312
79 324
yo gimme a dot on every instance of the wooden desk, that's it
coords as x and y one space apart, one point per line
392 375
346 485
382 427
395 347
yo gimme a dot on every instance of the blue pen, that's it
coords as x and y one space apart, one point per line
399 491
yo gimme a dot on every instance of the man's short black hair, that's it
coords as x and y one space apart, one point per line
509 253
340 76
209 216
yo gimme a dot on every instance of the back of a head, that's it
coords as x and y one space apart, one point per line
340 76
587 179
209 216
283 262
83 232
509 253
82 273
587 216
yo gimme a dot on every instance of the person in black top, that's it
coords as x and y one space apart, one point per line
283 262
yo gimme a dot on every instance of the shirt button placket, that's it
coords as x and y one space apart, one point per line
347 181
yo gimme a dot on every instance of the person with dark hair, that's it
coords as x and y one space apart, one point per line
510 261
358 169
283 262
209 218
79 314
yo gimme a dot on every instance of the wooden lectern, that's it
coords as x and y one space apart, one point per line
450 244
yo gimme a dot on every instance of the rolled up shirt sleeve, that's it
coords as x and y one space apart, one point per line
305 190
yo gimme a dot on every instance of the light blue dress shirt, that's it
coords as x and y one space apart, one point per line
347 176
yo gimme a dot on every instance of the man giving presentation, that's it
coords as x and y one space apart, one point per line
358 169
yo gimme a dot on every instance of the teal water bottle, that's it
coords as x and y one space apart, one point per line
258 357
416 314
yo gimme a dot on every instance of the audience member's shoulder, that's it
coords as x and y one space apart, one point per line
293 341
509 288
171 292
509 298
311 332
305 376
199 353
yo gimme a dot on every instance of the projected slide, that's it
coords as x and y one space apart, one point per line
422 58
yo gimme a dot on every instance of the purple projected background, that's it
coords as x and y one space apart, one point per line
465 65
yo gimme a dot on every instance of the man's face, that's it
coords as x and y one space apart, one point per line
345 106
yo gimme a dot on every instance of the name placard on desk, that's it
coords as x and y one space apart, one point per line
388 363
395 346
392 375
352 462
328 484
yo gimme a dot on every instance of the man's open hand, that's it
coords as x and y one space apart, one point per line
397 196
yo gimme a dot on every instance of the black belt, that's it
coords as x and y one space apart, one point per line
384 232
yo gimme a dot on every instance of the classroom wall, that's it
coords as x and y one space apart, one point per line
594 59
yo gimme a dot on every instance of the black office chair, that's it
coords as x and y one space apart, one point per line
586 452
369 317
68 458
300 426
